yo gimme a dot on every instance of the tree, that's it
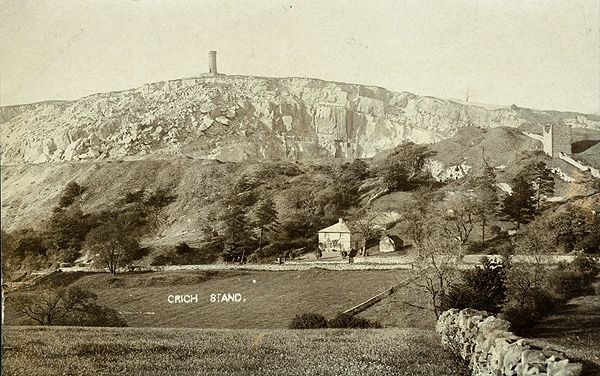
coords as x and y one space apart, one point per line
66 231
396 176
480 288
535 238
64 306
486 200
417 213
265 218
359 168
366 226
24 248
519 207
403 169
237 239
573 226
435 269
115 242
541 179
456 217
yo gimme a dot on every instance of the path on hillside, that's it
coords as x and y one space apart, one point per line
575 330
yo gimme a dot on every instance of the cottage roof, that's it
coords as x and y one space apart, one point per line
341 227
395 238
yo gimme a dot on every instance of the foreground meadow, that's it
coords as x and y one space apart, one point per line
157 351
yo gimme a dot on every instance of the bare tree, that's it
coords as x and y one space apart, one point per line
48 307
368 227
64 306
434 269
456 217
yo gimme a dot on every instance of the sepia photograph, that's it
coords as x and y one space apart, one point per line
284 187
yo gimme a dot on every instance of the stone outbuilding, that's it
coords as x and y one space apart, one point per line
339 237
390 243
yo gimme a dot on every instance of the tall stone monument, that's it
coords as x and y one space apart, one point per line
212 62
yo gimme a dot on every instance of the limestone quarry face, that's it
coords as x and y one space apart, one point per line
235 118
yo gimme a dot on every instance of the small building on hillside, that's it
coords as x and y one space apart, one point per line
390 243
339 237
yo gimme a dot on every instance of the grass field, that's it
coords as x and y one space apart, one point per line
154 351
271 298
575 330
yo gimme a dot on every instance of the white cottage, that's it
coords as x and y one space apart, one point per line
339 237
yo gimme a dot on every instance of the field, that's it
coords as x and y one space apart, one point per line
154 351
575 330
271 298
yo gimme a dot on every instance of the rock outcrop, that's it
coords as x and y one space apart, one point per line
238 118
486 343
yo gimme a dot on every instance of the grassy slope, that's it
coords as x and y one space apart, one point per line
29 192
575 330
272 298
106 351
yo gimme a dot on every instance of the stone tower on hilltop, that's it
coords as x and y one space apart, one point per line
556 139
212 62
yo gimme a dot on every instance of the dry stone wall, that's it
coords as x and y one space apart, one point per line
486 343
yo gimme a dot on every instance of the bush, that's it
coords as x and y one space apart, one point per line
308 321
570 280
345 320
567 283
183 254
523 318
182 248
495 230
534 292
69 306
481 288
95 315
72 190
586 266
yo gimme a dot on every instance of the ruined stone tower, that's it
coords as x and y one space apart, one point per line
557 139
212 62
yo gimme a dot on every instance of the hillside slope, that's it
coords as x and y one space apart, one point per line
30 191
238 117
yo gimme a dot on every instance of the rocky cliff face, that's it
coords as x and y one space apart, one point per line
239 118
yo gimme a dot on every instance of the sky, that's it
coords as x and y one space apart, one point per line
538 54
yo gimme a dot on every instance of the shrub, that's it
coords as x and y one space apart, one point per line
523 317
346 320
72 190
573 279
134 196
481 288
566 283
160 198
182 248
586 266
70 306
495 230
308 321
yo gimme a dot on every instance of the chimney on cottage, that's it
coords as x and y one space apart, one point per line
341 220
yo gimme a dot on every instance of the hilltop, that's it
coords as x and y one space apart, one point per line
235 118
